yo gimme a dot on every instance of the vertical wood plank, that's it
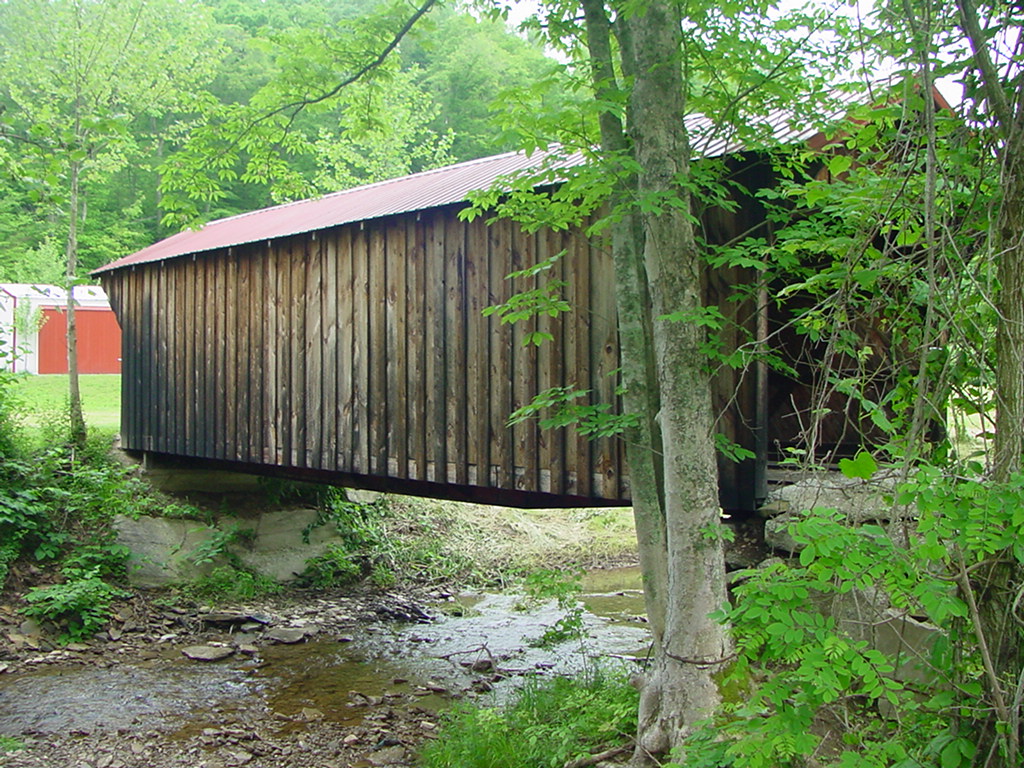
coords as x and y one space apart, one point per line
455 360
297 351
604 360
202 363
158 395
175 330
145 369
346 370
329 308
550 370
229 399
190 287
525 387
134 292
501 363
396 310
360 353
270 342
214 342
416 295
378 349
478 353
312 301
253 376
249 313
579 358
437 341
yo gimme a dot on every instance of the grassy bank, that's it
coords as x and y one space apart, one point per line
40 396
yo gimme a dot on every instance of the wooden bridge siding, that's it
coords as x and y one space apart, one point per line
379 361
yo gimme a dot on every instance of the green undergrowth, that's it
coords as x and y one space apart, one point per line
227 583
384 542
57 501
10 744
549 722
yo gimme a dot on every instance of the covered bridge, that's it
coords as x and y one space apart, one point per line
342 339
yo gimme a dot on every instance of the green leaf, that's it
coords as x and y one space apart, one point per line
863 465
950 756
839 164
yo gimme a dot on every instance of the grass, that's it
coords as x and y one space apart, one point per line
549 723
10 744
43 395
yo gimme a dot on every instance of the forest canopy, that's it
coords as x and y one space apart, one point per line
428 105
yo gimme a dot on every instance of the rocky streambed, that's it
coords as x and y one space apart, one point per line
304 680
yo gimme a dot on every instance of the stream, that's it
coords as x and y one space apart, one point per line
480 644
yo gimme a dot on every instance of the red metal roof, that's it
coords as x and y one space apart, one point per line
420 191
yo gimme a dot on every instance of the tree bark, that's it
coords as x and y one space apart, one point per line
673 473
997 588
681 687
77 420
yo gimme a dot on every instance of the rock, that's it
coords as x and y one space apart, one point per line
208 652
350 739
289 635
309 714
254 621
30 628
241 757
857 500
247 649
160 548
395 755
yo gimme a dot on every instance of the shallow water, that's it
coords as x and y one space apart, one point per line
327 678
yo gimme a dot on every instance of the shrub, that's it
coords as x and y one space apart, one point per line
334 568
80 606
228 583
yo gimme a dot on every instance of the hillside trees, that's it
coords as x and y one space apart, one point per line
75 77
438 87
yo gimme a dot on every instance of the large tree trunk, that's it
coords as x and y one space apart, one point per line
681 687
673 474
997 587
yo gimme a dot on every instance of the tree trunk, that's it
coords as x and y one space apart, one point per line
673 473
681 687
997 587
77 421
